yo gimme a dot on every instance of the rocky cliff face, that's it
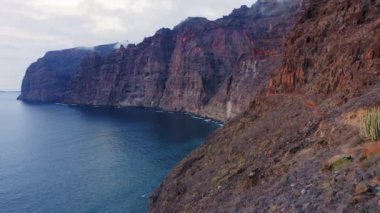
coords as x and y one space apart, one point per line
298 147
210 68
218 67
132 76
337 57
47 79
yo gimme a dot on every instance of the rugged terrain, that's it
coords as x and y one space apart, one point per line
290 78
298 147
209 68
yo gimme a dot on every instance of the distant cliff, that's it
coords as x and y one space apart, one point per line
47 79
210 68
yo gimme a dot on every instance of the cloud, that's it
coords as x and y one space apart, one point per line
29 28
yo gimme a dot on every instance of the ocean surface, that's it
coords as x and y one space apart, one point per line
56 158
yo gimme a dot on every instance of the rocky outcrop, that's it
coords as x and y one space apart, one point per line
337 56
210 68
298 147
47 79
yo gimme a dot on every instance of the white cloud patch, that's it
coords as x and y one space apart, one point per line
29 28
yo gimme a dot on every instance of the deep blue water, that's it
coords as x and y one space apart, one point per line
57 158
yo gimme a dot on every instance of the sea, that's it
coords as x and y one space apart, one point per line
59 158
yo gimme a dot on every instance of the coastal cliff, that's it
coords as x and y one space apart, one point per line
298 147
47 79
209 68
290 78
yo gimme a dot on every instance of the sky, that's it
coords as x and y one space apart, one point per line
29 28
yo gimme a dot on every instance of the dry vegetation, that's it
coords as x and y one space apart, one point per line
370 125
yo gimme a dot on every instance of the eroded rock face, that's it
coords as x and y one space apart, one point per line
338 56
218 67
210 68
132 76
281 154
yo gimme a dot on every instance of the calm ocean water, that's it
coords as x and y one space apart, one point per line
73 159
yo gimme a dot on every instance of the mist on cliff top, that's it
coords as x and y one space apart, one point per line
29 28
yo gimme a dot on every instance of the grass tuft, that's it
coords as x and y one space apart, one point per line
370 125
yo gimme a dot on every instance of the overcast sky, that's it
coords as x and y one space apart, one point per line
29 28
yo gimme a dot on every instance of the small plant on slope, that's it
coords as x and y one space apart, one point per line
370 125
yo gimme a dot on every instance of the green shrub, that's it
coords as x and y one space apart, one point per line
370 125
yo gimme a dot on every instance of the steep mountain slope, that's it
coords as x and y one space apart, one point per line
297 148
337 58
210 68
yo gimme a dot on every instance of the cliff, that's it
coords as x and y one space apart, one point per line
209 68
47 79
291 78
297 148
